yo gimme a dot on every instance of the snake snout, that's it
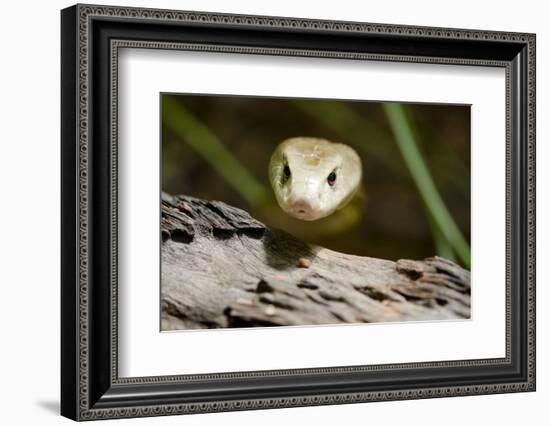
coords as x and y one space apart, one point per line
304 208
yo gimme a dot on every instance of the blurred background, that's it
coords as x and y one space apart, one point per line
415 200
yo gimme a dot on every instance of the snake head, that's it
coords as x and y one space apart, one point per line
312 178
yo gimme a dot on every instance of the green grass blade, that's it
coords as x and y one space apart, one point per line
419 171
442 246
205 143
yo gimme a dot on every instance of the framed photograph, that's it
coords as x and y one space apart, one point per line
263 212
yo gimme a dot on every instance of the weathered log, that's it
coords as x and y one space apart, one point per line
222 268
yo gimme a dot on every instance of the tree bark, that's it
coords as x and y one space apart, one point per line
222 268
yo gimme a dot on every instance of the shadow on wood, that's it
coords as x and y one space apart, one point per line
222 268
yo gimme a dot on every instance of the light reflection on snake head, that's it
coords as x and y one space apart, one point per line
313 177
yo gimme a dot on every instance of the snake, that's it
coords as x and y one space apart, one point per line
314 177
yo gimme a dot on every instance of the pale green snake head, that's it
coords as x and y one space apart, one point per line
312 178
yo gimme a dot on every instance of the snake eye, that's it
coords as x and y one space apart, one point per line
286 173
331 179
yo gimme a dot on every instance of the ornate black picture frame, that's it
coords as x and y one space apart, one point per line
91 36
